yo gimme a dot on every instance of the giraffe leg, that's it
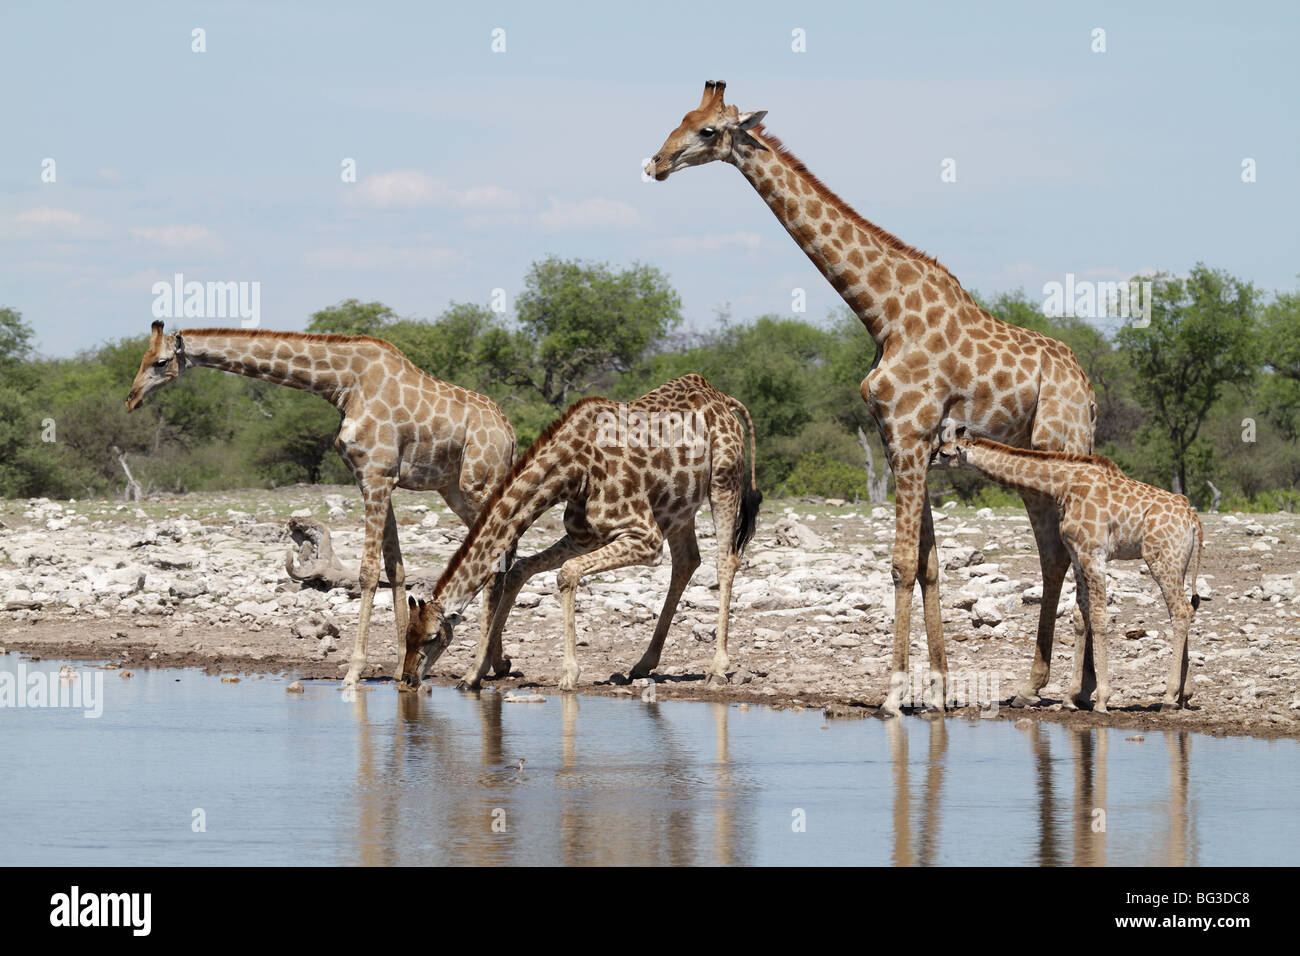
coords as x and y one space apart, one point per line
1074 694
1094 572
685 552
1169 577
515 578
636 546
1053 560
928 573
376 496
909 480
396 572
724 497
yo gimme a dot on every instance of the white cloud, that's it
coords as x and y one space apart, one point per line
707 244
47 216
45 222
383 257
594 213
489 197
177 236
401 188
410 187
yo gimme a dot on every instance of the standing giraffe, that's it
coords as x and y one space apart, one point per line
400 428
938 355
1105 515
631 474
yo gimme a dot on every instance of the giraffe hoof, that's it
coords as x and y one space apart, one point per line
890 710
501 668
716 680
1021 700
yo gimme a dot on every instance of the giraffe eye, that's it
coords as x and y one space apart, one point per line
707 132
161 363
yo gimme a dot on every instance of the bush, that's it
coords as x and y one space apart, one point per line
817 474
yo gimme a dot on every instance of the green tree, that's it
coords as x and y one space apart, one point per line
1201 339
353 317
292 439
15 338
578 324
448 347
1280 347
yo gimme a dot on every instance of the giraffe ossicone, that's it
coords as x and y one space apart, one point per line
938 354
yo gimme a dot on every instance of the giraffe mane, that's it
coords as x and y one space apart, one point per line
828 195
325 337
544 439
1039 454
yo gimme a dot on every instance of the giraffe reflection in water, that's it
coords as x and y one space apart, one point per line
633 783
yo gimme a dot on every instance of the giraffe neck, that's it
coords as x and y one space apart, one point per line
872 270
291 359
533 487
1018 471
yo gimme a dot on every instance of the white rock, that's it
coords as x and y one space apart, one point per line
986 612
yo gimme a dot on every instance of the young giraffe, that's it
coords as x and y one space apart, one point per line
400 428
938 355
631 475
1103 515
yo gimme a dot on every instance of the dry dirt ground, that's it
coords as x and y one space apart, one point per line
200 580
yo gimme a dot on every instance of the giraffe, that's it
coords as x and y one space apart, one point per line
631 475
1104 515
938 354
400 428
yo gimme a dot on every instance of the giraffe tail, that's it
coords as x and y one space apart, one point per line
1196 564
751 497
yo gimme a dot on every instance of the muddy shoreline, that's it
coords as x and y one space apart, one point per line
141 650
199 581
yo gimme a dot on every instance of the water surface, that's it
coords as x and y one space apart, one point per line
183 769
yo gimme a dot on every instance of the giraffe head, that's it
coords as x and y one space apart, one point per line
428 634
708 132
162 362
950 448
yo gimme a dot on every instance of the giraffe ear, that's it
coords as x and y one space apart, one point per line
750 120
947 430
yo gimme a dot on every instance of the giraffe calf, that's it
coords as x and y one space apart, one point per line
1104 516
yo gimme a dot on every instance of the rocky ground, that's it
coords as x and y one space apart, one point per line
200 580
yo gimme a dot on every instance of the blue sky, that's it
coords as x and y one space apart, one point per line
225 165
